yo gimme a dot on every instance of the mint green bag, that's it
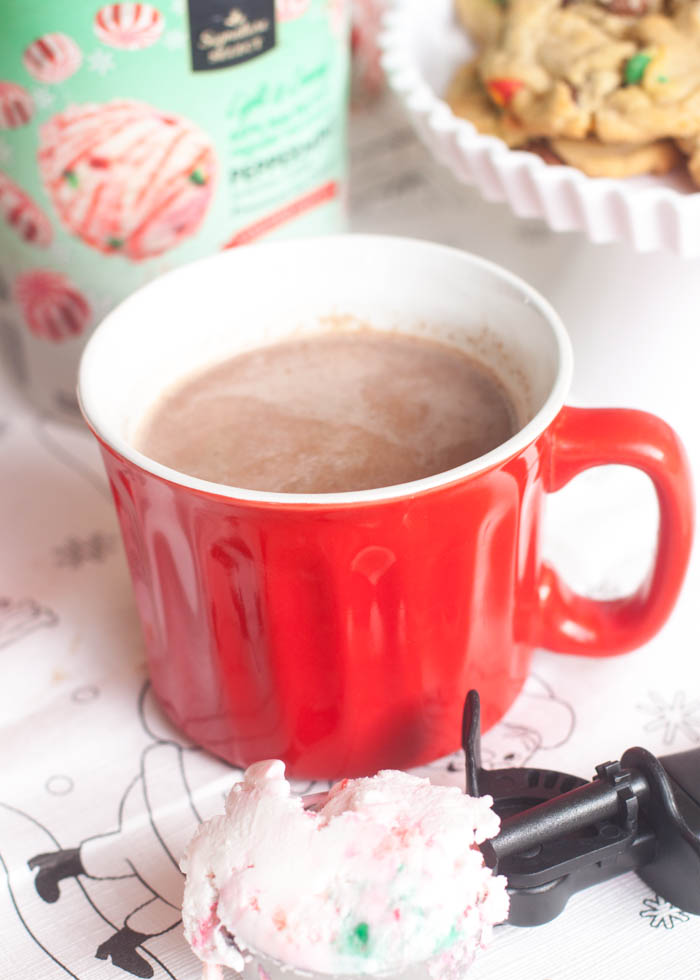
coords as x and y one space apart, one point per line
138 136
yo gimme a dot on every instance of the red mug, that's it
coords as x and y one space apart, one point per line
340 632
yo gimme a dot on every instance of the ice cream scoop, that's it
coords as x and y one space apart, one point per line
382 874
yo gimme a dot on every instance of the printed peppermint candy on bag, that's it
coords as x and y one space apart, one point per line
52 58
129 26
22 214
16 106
126 178
52 306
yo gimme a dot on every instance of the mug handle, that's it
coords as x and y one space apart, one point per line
581 438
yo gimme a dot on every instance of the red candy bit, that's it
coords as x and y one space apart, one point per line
502 90
403 834
206 927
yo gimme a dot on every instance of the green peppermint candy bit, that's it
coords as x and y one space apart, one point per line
662 78
197 177
361 933
635 68
501 3
115 242
70 177
450 939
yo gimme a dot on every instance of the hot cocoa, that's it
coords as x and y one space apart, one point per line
338 411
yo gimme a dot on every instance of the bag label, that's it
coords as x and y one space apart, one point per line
225 33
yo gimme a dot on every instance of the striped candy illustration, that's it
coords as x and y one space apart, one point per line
291 9
129 26
16 105
52 58
53 307
23 214
127 178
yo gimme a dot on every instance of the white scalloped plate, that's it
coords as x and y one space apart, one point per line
422 45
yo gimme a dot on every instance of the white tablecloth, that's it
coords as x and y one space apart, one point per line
90 767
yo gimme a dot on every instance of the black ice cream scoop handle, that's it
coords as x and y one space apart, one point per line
560 834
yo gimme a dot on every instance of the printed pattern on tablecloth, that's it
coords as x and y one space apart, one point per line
100 793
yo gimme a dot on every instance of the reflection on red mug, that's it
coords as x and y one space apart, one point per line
340 632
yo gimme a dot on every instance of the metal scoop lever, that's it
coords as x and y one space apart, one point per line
560 834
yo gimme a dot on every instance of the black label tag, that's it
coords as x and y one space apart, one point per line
228 32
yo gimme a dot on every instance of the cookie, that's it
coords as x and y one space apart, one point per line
582 69
607 85
482 19
596 159
468 99
565 59
660 90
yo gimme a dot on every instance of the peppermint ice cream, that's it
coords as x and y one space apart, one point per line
384 874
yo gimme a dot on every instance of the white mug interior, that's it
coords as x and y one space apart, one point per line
203 313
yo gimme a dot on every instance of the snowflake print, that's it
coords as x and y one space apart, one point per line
43 98
5 152
174 40
101 62
662 913
75 552
677 716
